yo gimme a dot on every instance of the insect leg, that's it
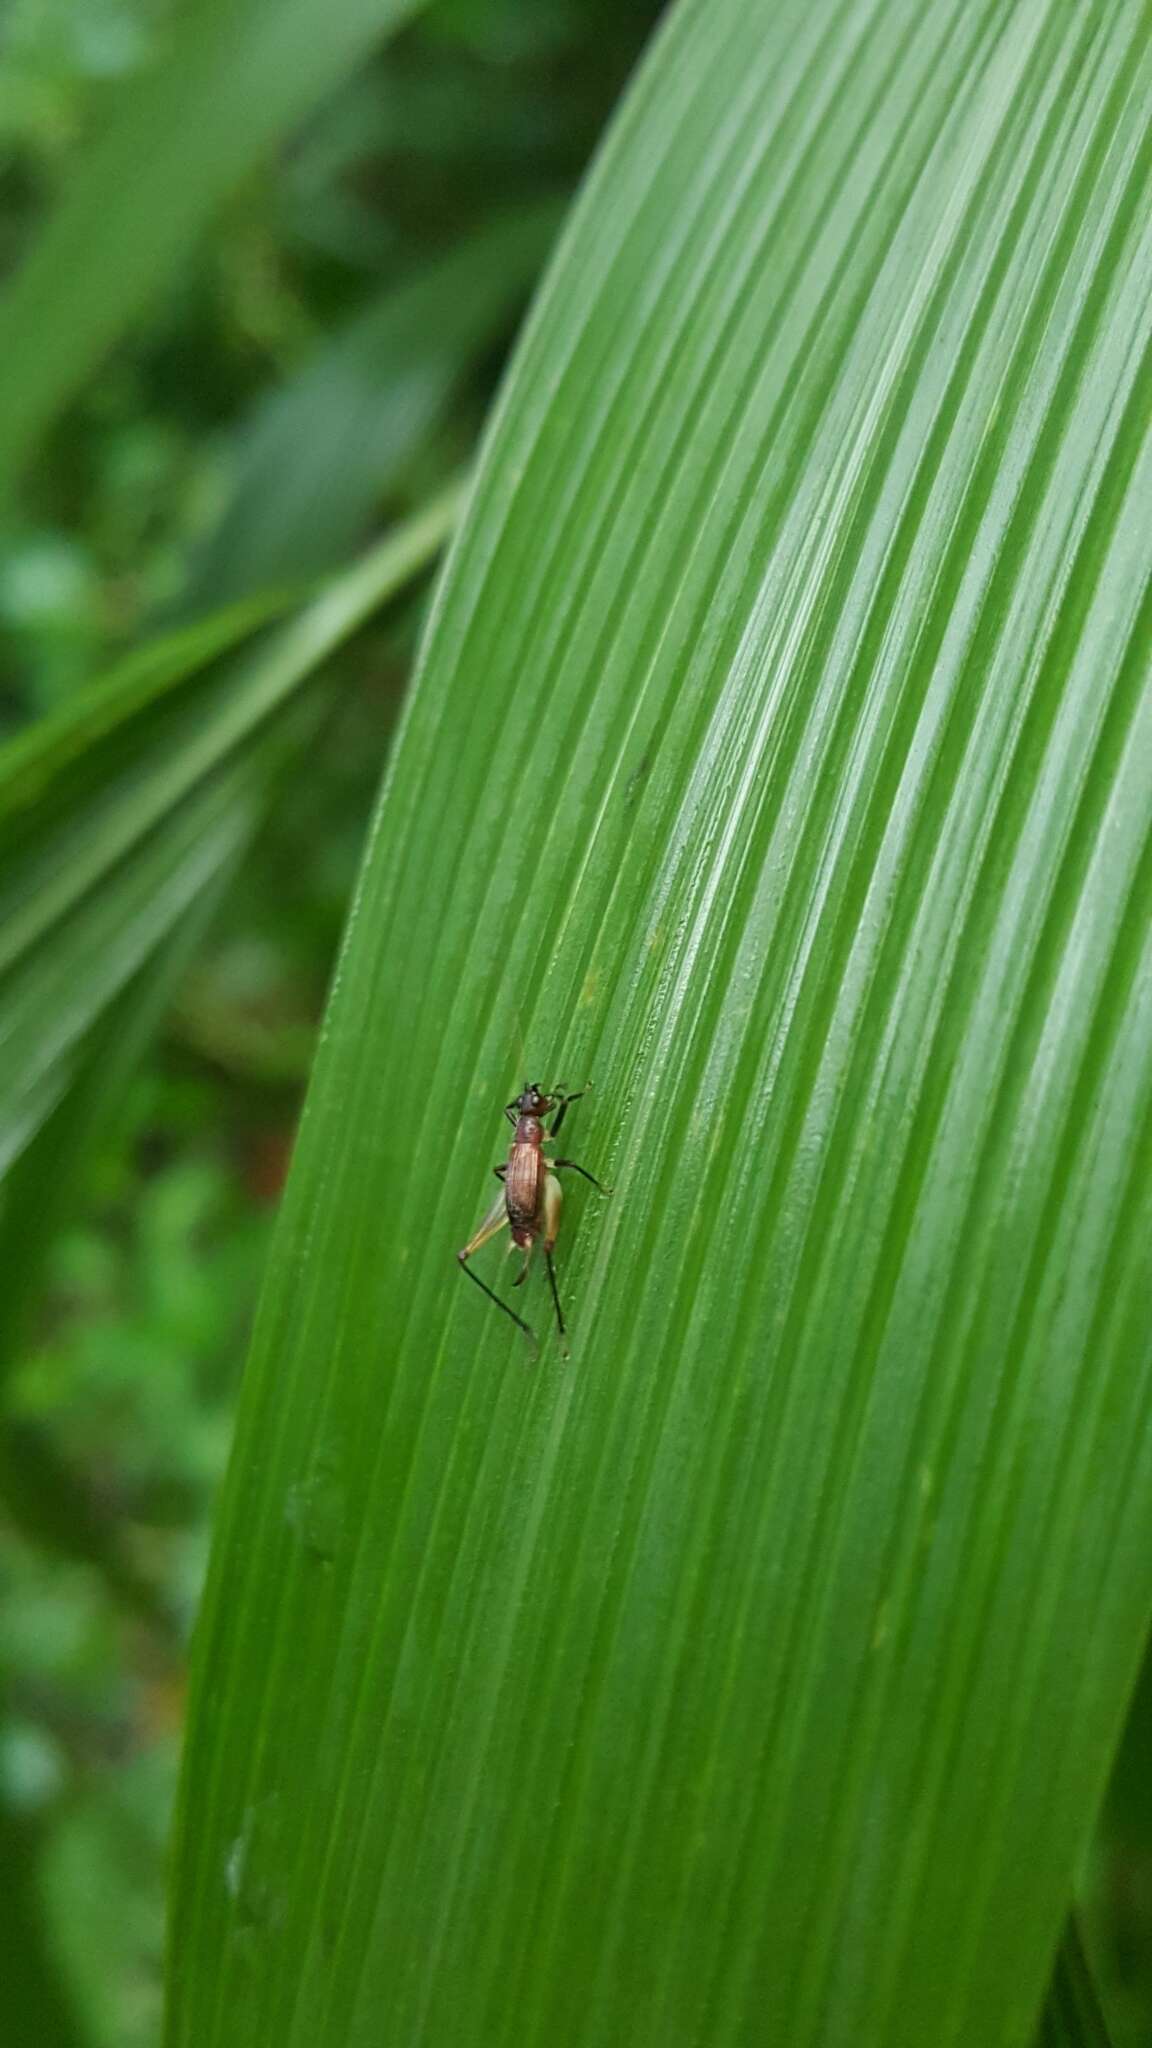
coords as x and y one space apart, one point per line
483 1284
560 1329
563 1110
571 1164
495 1220
522 1275
500 1171
553 1206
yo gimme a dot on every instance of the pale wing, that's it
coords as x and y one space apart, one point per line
495 1220
553 1204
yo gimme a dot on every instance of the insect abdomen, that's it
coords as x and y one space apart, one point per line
522 1191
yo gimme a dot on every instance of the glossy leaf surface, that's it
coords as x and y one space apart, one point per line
781 759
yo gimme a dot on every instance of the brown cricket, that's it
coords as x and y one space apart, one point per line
531 1197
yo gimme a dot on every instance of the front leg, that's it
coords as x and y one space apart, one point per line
562 1112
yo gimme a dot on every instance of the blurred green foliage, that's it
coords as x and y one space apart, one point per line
339 272
130 1379
476 109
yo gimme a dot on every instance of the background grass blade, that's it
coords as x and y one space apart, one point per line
43 1496
1116 1899
34 1989
323 449
116 816
781 755
238 75
1072 2016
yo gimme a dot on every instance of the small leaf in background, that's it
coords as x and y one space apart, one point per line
106 845
1072 2016
1116 1895
322 450
237 76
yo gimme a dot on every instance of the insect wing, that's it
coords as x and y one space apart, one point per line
494 1221
553 1204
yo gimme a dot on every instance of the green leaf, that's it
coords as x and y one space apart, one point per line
117 815
320 451
237 77
36 760
781 758
1072 2017
1115 1902
58 1507
37 2000
320 454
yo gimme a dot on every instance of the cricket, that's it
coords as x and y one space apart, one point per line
531 1199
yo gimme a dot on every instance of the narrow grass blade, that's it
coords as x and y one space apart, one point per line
320 452
116 817
1072 2016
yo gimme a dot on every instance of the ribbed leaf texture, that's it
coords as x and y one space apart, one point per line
781 758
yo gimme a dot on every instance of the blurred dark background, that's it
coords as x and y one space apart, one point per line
336 342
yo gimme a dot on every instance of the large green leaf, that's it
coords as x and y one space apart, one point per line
781 757
236 77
